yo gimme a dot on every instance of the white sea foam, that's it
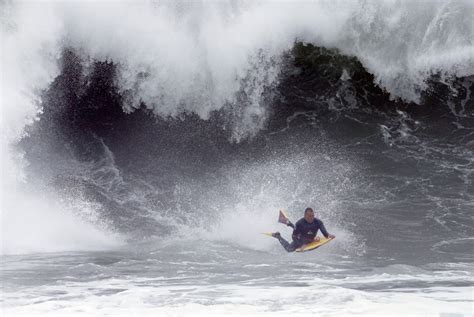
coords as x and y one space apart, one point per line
224 299
39 222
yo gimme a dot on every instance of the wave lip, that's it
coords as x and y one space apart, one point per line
200 58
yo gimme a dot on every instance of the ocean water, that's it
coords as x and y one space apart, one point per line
147 145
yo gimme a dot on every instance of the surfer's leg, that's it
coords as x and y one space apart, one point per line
290 247
295 244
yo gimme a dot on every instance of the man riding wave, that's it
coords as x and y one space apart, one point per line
304 231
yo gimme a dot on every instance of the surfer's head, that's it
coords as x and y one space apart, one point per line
309 215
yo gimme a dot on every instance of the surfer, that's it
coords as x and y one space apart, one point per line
304 231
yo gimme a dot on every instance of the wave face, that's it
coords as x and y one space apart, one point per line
154 120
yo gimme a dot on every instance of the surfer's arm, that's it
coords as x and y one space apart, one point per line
323 229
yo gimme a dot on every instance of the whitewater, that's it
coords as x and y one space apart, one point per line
146 145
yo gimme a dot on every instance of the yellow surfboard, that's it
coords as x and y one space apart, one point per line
307 247
313 245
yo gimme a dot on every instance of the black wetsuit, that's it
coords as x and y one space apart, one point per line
303 233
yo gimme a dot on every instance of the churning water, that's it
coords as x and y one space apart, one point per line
146 145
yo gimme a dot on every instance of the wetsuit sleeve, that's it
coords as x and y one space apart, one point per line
323 229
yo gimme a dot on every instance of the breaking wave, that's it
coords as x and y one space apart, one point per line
146 111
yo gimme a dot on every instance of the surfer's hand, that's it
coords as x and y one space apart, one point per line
331 236
316 238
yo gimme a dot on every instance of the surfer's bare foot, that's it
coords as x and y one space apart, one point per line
276 235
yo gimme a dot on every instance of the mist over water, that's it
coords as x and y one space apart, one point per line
146 145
